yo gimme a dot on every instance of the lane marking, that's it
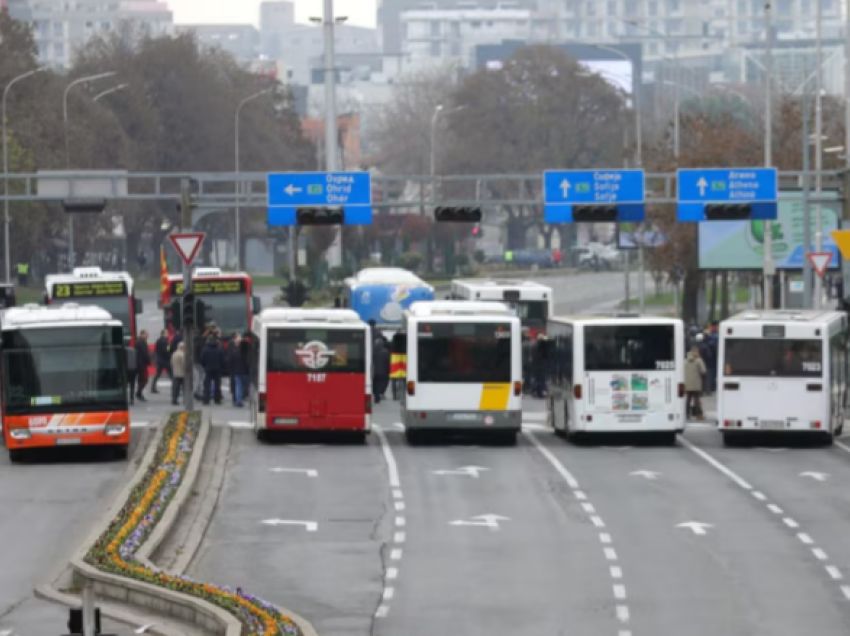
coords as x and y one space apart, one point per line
391 573
618 590
818 553
842 446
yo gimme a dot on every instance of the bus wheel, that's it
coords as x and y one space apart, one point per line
668 439
413 438
359 439
261 434
506 439
121 453
16 455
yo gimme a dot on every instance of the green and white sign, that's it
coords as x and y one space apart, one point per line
739 245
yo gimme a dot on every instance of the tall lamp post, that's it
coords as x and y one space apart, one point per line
6 220
238 183
76 82
109 91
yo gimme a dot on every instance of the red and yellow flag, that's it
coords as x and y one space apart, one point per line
164 288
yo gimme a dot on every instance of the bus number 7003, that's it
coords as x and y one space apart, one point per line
316 377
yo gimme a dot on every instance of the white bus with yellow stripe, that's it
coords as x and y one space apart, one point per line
464 369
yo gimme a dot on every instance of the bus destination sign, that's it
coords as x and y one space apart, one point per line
201 287
91 289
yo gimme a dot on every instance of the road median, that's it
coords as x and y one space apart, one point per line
116 561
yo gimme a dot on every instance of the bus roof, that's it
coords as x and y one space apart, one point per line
496 283
278 315
428 308
199 273
792 316
602 318
385 276
32 315
87 274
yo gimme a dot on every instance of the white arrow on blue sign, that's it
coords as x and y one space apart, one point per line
562 189
287 191
758 187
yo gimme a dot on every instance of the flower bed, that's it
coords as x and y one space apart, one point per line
115 549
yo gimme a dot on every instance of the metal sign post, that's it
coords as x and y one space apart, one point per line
188 330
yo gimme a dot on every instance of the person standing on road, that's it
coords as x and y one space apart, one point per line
380 369
694 372
163 359
178 372
238 369
143 361
214 363
132 372
398 364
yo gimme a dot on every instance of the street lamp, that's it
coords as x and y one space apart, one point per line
438 110
120 87
238 220
76 82
6 168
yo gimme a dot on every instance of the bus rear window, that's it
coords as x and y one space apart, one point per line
532 312
464 352
755 357
316 351
629 348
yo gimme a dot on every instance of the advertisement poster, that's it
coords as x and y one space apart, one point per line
739 245
631 235
626 392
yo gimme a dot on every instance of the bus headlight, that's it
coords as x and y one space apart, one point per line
20 433
115 429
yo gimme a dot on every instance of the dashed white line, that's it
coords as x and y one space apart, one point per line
398 537
819 554
619 590
843 447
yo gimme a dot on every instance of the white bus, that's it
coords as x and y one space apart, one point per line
616 374
532 301
464 370
312 371
782 371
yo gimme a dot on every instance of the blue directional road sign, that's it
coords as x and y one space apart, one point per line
562 189
288 191
758 187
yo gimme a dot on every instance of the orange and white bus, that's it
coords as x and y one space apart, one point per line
312 372
64 379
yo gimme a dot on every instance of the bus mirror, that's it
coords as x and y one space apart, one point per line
256 305
138 306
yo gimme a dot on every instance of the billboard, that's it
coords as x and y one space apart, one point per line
739 245
631 235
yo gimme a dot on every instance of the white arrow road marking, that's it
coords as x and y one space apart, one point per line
697 526
484 521
471 471
565 187
646 473
291 189
816 476
702 184
141 630
309 471
311 526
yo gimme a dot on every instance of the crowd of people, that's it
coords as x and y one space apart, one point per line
700 368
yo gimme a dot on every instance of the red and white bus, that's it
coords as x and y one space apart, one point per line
312 371
227 293
92 287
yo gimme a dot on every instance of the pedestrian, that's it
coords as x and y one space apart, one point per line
229 348
238 366
214 364
398 364
176 339
178 372
132 372
143 362
538 368
163 359
694 372
380 369
527 358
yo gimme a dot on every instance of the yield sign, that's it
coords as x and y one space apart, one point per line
187 245
820 261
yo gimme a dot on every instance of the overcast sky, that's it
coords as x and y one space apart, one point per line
359 12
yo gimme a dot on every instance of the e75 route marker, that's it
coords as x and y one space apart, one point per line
310 526
471 471
308 471
485 521
696 526
816 476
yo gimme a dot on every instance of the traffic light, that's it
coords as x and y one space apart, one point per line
189 319
476 232
595 214
457 215
203 314
320 216
296 294
174 314
728 211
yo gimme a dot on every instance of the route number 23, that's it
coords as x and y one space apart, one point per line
316 377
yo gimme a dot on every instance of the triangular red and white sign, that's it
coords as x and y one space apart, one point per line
187 245
820 261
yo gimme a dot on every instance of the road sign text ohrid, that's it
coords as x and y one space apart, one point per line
594 213
457 215
320 216
728 211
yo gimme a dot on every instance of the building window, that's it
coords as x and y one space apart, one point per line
653 8
59 51
58 29
435 49
435 28
612 7
456 50
673 6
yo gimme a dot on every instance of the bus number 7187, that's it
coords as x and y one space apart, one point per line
316 377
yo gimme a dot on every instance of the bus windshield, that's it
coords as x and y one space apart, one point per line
229 311
531 312
64 369
757 357
294 350
464 352
629 348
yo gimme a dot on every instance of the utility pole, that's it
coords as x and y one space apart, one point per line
818 147
768 266
188 330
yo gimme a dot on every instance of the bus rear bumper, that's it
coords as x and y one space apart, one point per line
343 423
779 427
648 423
502 421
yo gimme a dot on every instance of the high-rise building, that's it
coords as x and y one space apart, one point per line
275 18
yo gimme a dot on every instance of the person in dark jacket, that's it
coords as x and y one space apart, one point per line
132 372
163 359
143 361
214 364
380 369
238 369
175 343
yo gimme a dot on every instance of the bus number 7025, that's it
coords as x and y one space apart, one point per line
316 377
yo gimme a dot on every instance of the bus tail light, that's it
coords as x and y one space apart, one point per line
261 402
368 405
815 425
681 389
517 388
732 423
411 388
577 391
